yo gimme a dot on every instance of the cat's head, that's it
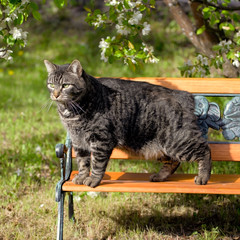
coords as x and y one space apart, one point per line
65 82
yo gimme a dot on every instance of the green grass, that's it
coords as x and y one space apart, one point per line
29 169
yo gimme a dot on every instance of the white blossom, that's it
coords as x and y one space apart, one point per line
202 71
153 60
136 18
99 21
131 58
4 53
134 4
18 33
146 29
188 63
226 44
203 60
8 19
238 34
104 45
114 2
147 48
25 2
124 30
236 63
120 18
10 58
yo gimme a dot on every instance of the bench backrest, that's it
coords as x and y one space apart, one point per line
210 115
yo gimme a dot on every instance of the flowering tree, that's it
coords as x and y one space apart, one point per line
130 20
214 31
12 14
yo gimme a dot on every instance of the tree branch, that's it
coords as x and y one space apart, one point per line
230 7
188 28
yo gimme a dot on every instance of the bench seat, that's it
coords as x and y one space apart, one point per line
224 118
177 183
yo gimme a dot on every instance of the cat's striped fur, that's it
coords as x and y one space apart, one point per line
101 114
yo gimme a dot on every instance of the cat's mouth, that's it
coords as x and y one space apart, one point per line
58 99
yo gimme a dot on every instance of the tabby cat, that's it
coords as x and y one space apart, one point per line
104 113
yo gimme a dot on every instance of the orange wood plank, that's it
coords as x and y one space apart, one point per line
220 152
177 183
196 85
225 152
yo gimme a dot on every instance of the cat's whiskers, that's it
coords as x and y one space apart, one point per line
75 107
46 105
50 106
71 106
78 106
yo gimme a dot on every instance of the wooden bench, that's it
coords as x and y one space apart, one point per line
226 120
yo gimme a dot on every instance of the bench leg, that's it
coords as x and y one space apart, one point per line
60 217
70 207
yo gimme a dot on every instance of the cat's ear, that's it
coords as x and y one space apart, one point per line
75 67
50 66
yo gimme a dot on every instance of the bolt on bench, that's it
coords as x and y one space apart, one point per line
226 120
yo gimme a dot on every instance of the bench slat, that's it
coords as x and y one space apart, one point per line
177 183
220 152
197 85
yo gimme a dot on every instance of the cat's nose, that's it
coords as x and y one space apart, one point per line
56 93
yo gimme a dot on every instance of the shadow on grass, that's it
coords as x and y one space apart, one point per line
182 216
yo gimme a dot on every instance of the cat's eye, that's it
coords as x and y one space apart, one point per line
51 85
66 85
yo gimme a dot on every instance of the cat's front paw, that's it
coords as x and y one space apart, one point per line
202 179
157 178
92 181
78 179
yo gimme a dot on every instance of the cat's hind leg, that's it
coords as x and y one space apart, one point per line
168 168
204 168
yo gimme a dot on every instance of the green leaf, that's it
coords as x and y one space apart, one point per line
231 55
226 26
130 45
236 17
126 5
111 59
217 48
20 19
141 55
152 3
131 65
206 9
34 6
142 8
232 28
118 54
36 15
87 9
201 30
60 3
14 2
